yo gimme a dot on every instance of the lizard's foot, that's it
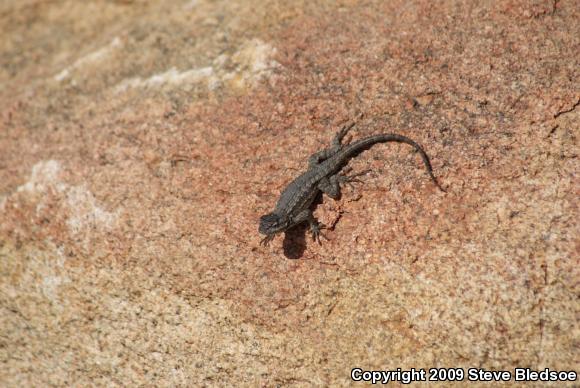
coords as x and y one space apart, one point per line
266 240
316 228
353 178
337 142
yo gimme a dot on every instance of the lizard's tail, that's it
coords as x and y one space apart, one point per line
364 144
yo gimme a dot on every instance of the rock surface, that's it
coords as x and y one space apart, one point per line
141 141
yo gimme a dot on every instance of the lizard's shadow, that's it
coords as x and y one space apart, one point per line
294 244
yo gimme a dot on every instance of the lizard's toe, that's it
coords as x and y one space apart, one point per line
316 232
266 240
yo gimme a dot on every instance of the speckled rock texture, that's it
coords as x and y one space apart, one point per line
141 141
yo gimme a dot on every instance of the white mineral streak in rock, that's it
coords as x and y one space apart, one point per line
251 63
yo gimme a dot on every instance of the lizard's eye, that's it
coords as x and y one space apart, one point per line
268 222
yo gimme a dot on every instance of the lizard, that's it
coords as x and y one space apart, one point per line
324 174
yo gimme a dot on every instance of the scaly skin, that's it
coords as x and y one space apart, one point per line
323 174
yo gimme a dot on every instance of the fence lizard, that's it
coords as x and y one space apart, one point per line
323 174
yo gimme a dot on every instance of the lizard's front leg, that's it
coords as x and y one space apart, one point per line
315 226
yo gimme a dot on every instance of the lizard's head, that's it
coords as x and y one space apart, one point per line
272 223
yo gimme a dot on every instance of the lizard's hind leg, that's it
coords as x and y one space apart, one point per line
320 157
349 179
337 141
330 186
335 146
